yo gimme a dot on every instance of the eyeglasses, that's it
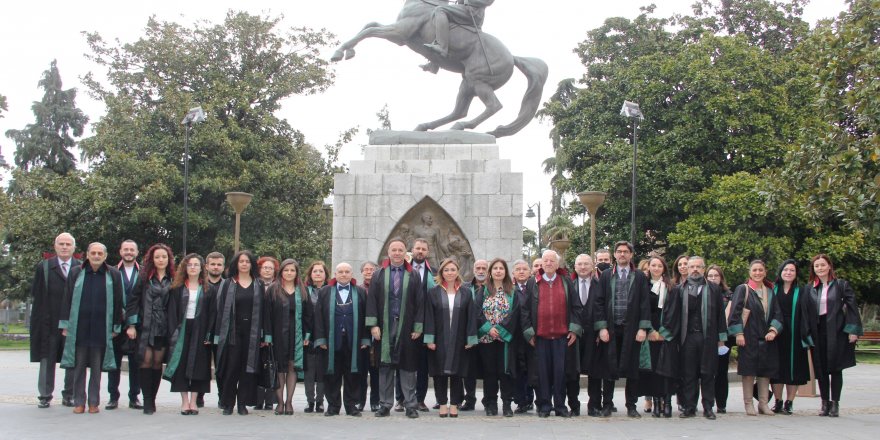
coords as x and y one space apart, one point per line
623 251
194 265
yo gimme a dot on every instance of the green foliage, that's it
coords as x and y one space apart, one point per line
856 258
3 108
239 71
48 141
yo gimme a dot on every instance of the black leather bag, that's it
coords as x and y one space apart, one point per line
269 375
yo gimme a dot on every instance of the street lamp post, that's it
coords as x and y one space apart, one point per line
531 214
592 200
238 201
632 110
193 116
327 212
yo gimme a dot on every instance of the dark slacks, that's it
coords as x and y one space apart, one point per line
454 386
342 377
550 354
525 394
91 358
722 385
46 376
830 383
600 392
115 377
572 393
238 384
693 380
371 383
631 391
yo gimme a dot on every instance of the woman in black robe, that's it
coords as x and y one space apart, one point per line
450 329
755 320
715 274
316 278
794 366
654 387
291 330
191 315
497 324
148 309
242 328
835 327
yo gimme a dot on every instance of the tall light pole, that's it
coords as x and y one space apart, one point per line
592 200
238 201
193 116
632 110
531 214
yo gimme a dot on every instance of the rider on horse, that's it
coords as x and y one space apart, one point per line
463 12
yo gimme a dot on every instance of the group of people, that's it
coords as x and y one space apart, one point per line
527 331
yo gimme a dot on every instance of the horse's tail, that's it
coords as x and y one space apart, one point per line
536 72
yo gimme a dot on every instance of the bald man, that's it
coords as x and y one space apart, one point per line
342 340
47 293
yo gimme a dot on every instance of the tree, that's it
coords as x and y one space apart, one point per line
714 104
48 141
239 71
3 108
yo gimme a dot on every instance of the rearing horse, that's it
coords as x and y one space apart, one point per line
481 72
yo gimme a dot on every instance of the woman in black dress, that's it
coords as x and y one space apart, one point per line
722 386
316 278
450 329
755 320
146 314
497 326
835 327
191 314
291 331
242 328
652 386
794 366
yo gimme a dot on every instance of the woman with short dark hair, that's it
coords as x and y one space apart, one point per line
794 366
835 327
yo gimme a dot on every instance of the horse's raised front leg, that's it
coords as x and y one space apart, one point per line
462 104
493 105
392 32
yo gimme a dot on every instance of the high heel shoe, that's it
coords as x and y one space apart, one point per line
444 411
453 411
288 409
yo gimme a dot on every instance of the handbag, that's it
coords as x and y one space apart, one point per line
269 375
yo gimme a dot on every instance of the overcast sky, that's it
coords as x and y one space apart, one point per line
35 33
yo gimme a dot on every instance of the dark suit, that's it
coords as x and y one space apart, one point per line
47 294
114 377
422 372
585 347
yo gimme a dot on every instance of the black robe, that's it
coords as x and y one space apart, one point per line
842 319
284 328
759 357
224 325
529 325
402 351
325 332
450 338
794 364
638 317
673 328
148 309
508 329
194 363
587 344
649 384
47 294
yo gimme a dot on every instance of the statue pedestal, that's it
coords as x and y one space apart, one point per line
473 201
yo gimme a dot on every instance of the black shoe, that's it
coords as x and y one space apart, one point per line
354 412
227 411
593 412
135 404
656 408
399 407
111 405
200 401
359 407
543 414
522 409
788 407
43 403
310 408
777 407
436 406
469 405
613 408
374 408
319 407
563 413
721 410
412 413
823 410
506 410
707 413
835 409
330 413
258 406
149 407
383 412
423 407
66 401
242 410
667 408
633 413
686 414
606 411
491 411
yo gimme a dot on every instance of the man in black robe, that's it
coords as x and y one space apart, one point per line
622 316
420 265
47 294
525 394
340 333
395 318
694 325
129 270
587 285
214 265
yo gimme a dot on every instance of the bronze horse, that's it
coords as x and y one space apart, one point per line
482 72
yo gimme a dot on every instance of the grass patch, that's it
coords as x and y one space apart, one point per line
868 358
6 344
16 328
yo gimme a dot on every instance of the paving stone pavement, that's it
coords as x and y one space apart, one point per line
21 419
